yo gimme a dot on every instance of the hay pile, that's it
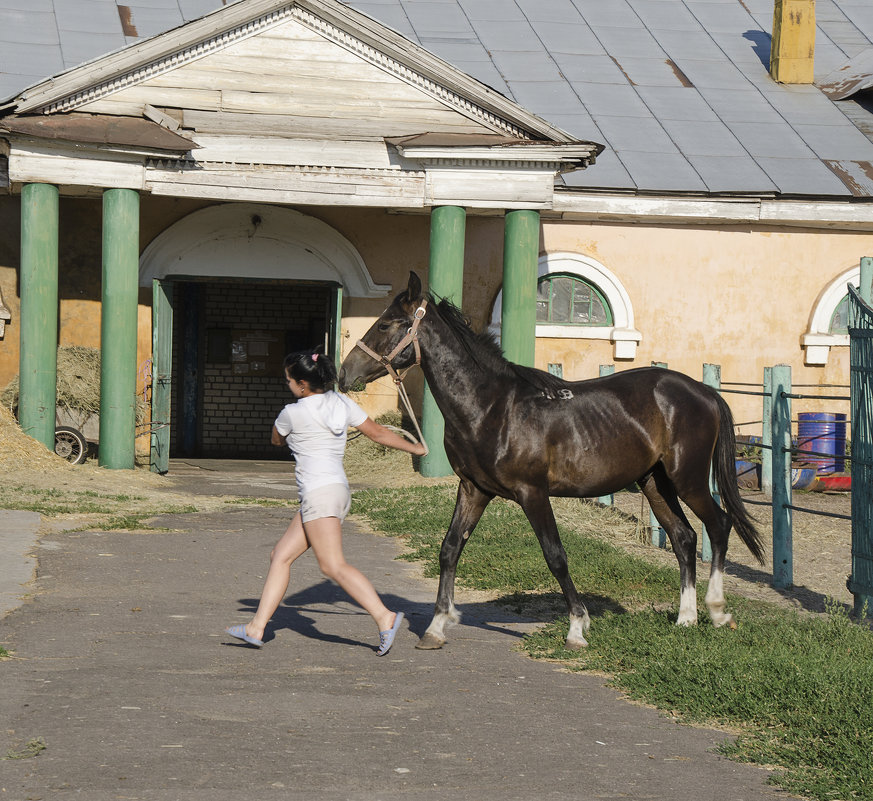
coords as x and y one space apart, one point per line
19 452
78 385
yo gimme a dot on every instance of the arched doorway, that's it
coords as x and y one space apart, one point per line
235 288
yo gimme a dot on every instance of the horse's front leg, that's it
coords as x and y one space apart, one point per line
539 512
470 504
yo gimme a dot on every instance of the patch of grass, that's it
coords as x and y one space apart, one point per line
133 521
4 654
260 502
32 748
53 502
797 687
503 554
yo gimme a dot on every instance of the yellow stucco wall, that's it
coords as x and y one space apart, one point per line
736 296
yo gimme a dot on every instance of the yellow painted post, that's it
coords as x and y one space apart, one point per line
792 46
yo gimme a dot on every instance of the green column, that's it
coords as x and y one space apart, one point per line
446 280
38 352
521 244
783 543
118 326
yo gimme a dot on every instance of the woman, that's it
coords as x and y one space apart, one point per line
315 430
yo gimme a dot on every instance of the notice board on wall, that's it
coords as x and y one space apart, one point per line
253 351
257 352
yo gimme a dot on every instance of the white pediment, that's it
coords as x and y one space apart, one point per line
310 68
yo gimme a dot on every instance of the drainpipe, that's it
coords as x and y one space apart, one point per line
445 280
38 352
792 47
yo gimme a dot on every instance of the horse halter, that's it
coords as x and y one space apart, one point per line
410 336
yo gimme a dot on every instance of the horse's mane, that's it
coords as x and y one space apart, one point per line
485 352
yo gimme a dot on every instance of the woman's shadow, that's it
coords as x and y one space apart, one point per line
300 611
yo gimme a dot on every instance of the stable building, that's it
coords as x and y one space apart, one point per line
602 182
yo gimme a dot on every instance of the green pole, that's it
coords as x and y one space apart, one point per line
712 378
521 244
38 352
604 370
118 326
865 290
767 434
783 562
446 281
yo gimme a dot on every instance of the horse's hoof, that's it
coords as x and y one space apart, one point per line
429 643
576 645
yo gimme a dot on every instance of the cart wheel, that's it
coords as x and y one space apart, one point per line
70 445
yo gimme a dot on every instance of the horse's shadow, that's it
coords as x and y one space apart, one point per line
300 612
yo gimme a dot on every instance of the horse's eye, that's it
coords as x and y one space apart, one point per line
384 326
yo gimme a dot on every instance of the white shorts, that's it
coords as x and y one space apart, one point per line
331 500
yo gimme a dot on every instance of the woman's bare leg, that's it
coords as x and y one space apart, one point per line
292 544
325 537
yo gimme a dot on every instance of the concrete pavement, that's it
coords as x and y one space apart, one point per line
122 670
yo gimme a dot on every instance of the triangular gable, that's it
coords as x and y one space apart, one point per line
310 68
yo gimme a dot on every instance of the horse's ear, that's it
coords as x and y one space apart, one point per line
413 289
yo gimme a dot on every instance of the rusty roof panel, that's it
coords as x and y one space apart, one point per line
856 175
854 76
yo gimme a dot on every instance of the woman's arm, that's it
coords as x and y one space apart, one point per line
385 436
276 438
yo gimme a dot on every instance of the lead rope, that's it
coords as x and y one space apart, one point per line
411 336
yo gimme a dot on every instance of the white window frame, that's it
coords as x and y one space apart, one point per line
818 340
621 333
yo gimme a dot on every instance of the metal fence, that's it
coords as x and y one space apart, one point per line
860 583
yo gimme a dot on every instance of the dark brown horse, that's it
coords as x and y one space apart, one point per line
523 434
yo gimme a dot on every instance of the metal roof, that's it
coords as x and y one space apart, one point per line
677 90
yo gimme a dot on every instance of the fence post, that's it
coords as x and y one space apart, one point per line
659 536
712 378
767 434
607 369
865 289
860 582
783 564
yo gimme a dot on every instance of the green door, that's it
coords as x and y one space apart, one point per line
162 368
334 325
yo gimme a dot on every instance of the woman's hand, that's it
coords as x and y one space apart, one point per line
385 436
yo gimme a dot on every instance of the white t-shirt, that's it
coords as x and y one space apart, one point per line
315 429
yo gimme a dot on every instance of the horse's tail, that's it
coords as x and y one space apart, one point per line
724 467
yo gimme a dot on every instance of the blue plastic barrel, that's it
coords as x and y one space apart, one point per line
822 433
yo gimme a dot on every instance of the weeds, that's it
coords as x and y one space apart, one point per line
32 748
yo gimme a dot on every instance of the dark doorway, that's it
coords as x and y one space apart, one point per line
230 338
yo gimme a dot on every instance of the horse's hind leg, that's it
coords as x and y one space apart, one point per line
539 512
469 505
718 527
664 500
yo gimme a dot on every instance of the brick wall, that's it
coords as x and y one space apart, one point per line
244 332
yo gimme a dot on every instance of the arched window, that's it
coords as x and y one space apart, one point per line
564 299
829 317
579 298
840 317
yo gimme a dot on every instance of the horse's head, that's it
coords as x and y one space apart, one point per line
383 338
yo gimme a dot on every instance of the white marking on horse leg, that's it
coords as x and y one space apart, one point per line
715 600
437 627
579 624
687 607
